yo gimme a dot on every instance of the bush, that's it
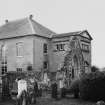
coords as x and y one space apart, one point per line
94 69
74 87
92 86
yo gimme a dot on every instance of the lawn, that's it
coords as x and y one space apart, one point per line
47 100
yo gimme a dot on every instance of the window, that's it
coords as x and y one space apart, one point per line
57 46
4 66
4 69
45 64
4 62
85 47
19 69
45 48
60 47
19 49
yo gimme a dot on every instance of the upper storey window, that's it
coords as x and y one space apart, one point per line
45 64
85 47
45 48
19 49
60 47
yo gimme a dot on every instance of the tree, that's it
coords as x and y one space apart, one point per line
94 69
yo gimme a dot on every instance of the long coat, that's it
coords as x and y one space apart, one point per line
54 90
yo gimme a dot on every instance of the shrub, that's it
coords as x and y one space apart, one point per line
92 86
74 87
94 69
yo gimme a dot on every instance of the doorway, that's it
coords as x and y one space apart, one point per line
75 70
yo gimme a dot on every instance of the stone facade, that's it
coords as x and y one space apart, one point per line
45 50
75 56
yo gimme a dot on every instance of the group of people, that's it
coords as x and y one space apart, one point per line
28 90
29 95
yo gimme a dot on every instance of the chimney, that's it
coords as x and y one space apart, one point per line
6 21
31 16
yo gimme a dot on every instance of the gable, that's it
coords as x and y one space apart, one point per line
86 35
83 33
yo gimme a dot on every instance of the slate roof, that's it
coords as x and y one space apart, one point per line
23 27
28 26
81 33
66 34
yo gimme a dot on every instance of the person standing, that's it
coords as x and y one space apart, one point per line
54 90
39 90
35 91
22 91
61 87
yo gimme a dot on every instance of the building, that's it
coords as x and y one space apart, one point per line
25 42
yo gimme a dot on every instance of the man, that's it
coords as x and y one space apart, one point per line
35 90
54 90
22 88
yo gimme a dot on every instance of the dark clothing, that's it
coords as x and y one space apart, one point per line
35 93
63 93
40 92
32 93
54 90
36 89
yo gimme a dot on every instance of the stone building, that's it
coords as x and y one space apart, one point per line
26 42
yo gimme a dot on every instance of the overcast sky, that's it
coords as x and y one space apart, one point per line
63 16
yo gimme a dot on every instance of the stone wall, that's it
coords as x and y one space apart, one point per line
14 61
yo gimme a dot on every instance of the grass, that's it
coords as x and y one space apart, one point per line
66 101
47 100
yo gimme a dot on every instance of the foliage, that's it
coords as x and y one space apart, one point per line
29 67
92 86
74 87
94 69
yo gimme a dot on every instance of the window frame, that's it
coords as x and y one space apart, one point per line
45 48
85 47
19 49
45 66
19 69
60 47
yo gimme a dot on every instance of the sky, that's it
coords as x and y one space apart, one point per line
63 16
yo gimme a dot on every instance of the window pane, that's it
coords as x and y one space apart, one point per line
57 47
85 47
19 48
45 48
45 65
60 47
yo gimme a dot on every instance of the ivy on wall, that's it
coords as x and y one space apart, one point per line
75 51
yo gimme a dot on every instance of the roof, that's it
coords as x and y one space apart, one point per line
23 27
28 26
66 34
83 33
